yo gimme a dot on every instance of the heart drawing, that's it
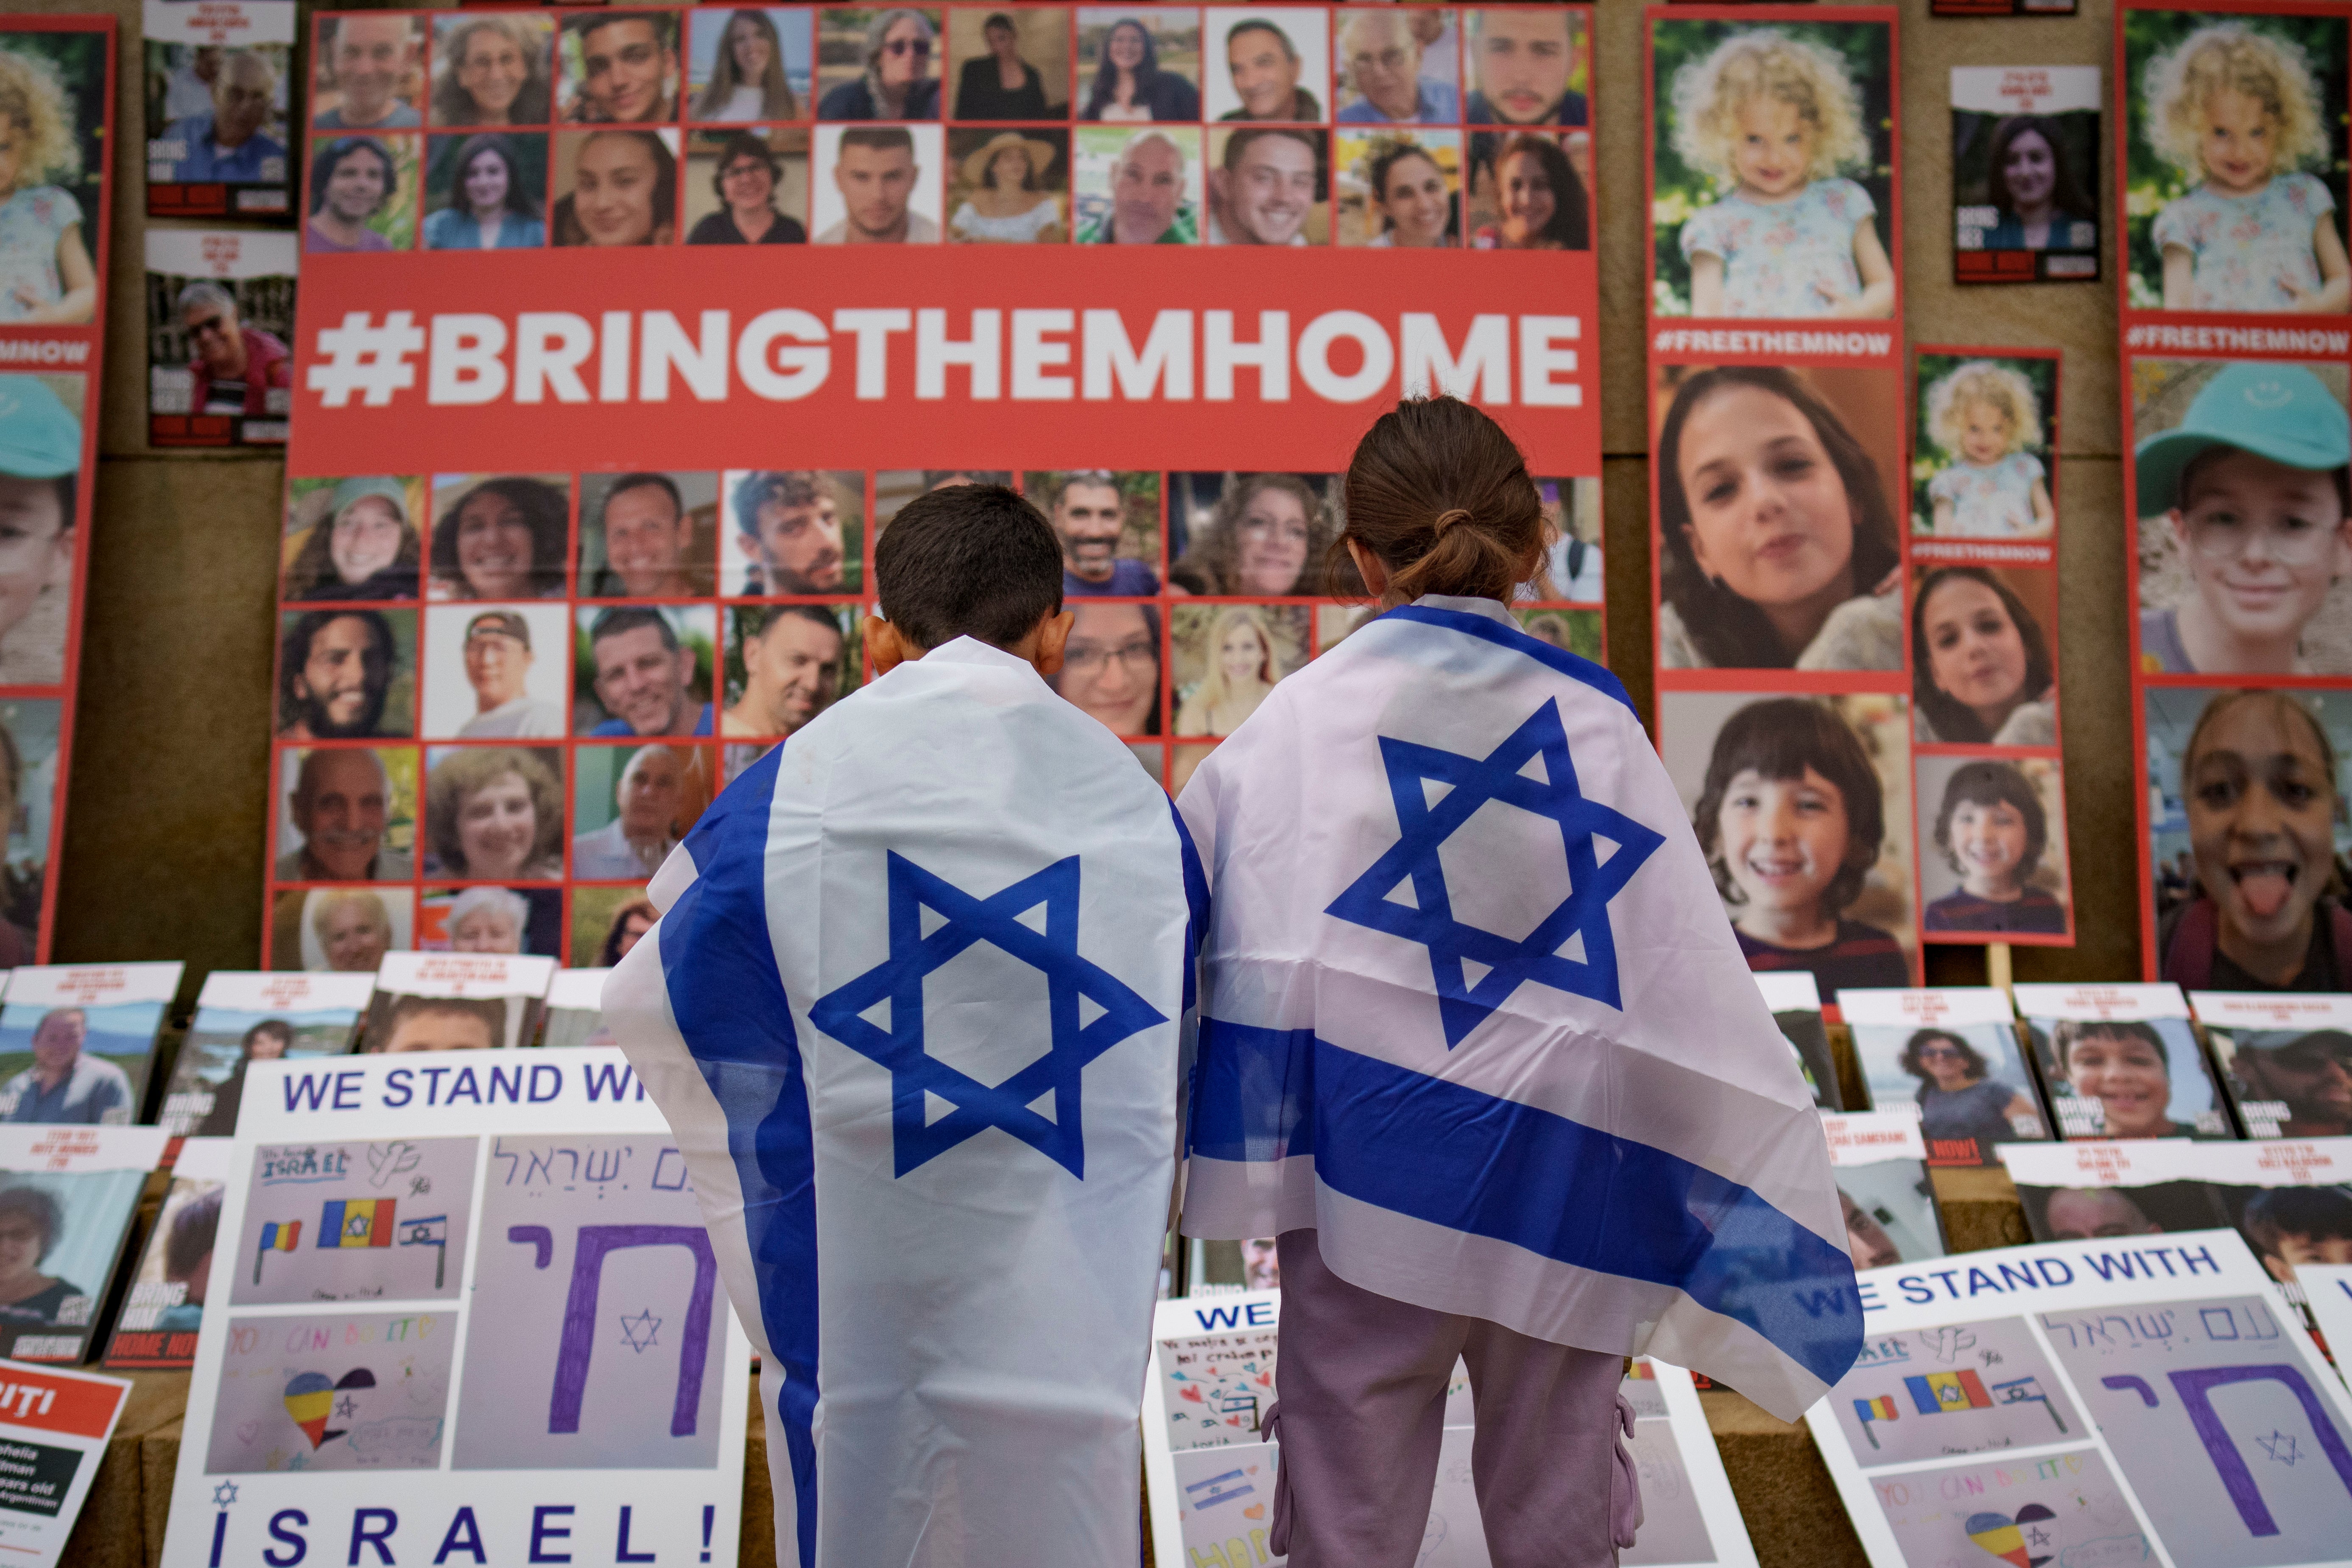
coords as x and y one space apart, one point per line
310 1401
2013 1539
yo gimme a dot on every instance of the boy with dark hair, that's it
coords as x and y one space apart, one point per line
2293 1226
1993 832
913 1010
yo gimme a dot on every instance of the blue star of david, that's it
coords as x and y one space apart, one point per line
2280 1445
1503 774
916 1136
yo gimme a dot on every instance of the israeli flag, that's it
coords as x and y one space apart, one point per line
1472 1012
914 1011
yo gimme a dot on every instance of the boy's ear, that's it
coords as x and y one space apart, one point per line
1043 645
887 645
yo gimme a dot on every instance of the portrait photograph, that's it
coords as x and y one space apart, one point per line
1269 185
64 1233
494 814
749 65
1139 63
340 929
2285 1083
42 487
1111 665
632 803
485 918
618 67
1984 655
893 487
788 532
1528 190
747 186
1266 64
1131 186
1985 445
28 768
1823 194
1992 849
1397 64
2256 234
1890 1212
1827 599
877 184
2025 173
1008 187
496 1006
1571 571
2121 1078
217 97
353 540
2244 547
498 536
220 330
877 62
643 670
1226 658
492 69
347 813
362 195
1256 536
1803 807
1108 527
648 535
1570 631
1013 64
57 188
156 1326
1399 187
76 1064
367 72
1968 1082
615 185
786 664
606 922
345 673
1527 65
260 1023
485 190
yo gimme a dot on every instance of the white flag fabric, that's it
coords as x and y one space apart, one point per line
914 1010
1472 1012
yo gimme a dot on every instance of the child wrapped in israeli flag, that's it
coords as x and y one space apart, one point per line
1477 1045
914 1010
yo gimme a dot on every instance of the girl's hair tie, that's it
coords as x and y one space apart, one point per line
1448 518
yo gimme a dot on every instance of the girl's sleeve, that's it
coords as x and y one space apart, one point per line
1703 233
1851 200
1945 486
2314 196
2173 226
2034 468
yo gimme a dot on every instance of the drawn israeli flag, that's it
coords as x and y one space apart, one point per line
1472 1012
915 1010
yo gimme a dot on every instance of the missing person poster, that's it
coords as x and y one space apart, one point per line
2116 1400
1881 1162
2025 173
219 79
243 1017
464 1001
2237 317
575 1009
1209 1471
2284 1060
1775 310
470 1311
156 1328
1950 1056
1796 1004
527 678
220 309
67 1197
54 1428
2122 1061
56 76
77 1041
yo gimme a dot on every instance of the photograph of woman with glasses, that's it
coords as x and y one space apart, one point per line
895 80
746 179
1964 1110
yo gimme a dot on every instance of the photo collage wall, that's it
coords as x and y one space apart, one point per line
1855 609
2237 318
56 77
509 694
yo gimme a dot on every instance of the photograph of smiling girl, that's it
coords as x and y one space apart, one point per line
1397 187
1983 666
1803 805
2247 835
2025 181
1773 191
1528 190
1984 445
615 187
353 540
500 536
1778 540
1226 658
745 65
2127 1077
1992 850
2242 473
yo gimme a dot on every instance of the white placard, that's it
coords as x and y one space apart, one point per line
222 252
1866 1137
517 1338
2025 89
54 1425
1789 990
2102 1001
2282 1163
581 990
1926 1005
1208 1474
519 982
2273 1009
2328 1290
233 23
2090 1403
313 1015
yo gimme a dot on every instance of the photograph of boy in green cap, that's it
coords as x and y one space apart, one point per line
2253 490
40 463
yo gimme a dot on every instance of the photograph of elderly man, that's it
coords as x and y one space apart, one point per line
233 366
1138 187
339 806
1387 74
366 68
229 141
649 809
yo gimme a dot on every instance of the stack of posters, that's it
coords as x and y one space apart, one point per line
219 79
157 1328
456 1002
1949 1055
575 1009
2122 1061
1796 1004
77 1041
2285 1059
67 1197
244 1017
1208 1471
1881 1162
56 1425
2090 1402
495 1322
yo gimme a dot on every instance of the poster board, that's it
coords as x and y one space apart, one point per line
2041 124
69 1196
2122 1061
1951 1056
575 1009
1881 1162
1159 403
243 1015
2328 1288
502 1344
77 1041
2089 1401
220 309
455 1001
2285 1059
54 1427
157 1328
219 83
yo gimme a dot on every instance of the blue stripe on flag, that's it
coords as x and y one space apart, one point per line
1574 666
1475 1162
1196 902
719 966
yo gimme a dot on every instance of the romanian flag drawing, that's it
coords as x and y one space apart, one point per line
356 1222
278 1236
1869 1410
1939 1393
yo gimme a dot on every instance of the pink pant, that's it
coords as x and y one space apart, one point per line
1361 1385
